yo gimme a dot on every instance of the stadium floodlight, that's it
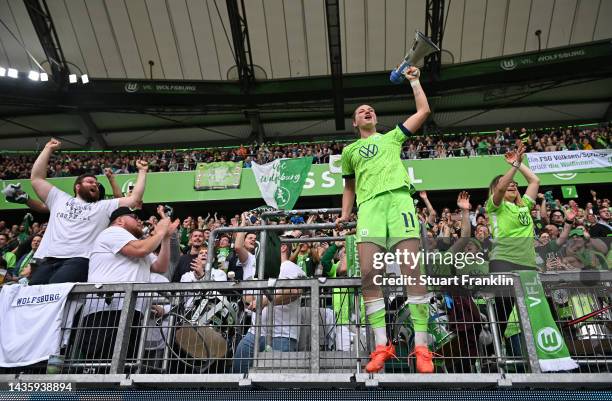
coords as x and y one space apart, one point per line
72 78
84 78
44 77
34 76
12 73
2 72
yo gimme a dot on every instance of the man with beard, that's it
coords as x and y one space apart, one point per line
119 256
196 240
74 222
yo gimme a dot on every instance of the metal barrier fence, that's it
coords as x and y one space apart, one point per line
581 303
202 333
312 332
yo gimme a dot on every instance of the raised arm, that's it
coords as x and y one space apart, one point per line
543 210
414 122
135 198
243 254
113 183
163 259
499 191
533 182
143 247
567 227
431 218
14 194
463 201
39 170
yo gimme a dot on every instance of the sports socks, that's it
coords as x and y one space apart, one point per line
420 318
375 312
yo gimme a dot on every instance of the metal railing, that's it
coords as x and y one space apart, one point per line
201 330
313 331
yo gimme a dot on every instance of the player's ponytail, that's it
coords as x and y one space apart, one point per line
356 129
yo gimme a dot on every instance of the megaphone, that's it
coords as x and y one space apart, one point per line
421 48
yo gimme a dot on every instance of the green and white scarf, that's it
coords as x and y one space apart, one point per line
553 354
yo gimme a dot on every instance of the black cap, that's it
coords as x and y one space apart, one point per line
124 211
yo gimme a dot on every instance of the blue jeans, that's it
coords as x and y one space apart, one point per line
56 270
243 356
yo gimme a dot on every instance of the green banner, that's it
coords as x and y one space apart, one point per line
281 181
217 175
426 174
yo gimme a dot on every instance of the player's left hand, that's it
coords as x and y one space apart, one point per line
412 73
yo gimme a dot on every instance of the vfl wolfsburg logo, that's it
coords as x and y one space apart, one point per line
126 185
368 151
549 339
565 176
523 218
282 196
131 87
508 64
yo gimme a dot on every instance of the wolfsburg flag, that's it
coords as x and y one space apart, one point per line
281 181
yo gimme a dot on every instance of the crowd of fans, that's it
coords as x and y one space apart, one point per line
583 244
68 164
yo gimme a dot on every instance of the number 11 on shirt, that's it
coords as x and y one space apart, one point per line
408 221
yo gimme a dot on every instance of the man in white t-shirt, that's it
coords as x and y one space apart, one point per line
74 222
285 316
245 249
118 256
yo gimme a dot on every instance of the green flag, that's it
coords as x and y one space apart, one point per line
569 191
217 175
281 181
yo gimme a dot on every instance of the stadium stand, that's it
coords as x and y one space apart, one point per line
435 146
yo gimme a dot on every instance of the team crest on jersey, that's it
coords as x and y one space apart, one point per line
368 151
524 218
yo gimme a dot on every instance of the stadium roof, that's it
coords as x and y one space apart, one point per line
192 47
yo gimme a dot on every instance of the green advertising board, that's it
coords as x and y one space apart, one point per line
425 174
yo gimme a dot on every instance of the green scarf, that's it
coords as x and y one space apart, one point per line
24 263
27 223
552 352
343 300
